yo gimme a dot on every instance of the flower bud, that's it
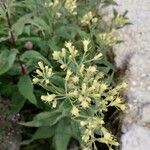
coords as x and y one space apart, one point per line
28 45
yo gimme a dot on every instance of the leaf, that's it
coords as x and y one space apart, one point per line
44 132
26 89
63 32
18 26
57 80
41 133
53 45
65 106
7 59
44 119
75 128
63 134
3 39
109 2
18 102
115 13
41 23
31 56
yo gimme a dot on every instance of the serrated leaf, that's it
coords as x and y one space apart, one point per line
7 59
25 88
44 119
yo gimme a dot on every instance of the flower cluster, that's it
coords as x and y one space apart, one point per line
51 4
108 138
88 19
89 126
71 6
96 123
120 21
85 89
50 99
107 39
44 73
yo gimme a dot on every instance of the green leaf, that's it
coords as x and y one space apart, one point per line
109 2
18 102
44 119
65 107
31 56
75 128
26 88
19 25
63 134
44 132
7 59
53 45
41 133
59 81
41 24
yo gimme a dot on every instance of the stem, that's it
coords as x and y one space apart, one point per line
83 57
9 25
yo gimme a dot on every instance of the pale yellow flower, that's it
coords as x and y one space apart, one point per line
91 69
75 79
56 55
94 20
41 65
63 52
107 136
35 80
68 74
84 87
68 44
103 87
39 72
87 18
75 111
81 98
48 98
71 6
86 44
49 72
83 123
54 104
84 104
63 66
74 93
98 56
82 67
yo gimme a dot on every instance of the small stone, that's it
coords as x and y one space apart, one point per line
134 83
143 75
148 88
146 114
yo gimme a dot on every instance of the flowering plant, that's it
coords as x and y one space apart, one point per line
84 91
64 47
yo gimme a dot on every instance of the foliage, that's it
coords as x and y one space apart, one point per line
70 40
